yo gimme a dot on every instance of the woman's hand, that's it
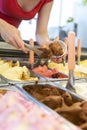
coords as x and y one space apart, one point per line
43 40
11 35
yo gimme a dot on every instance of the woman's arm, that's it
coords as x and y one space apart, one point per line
42 23
11 35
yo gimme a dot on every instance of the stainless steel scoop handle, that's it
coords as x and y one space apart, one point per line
33 48
71 81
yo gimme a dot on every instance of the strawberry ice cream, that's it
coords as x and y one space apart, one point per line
50 73
16 113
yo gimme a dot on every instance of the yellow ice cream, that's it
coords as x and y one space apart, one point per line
84 63
80 70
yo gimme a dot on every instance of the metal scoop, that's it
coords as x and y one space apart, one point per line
45 53
71 81
71 61
33 48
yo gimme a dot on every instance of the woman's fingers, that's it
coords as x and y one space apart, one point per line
17 42
12 36
20 44
56 38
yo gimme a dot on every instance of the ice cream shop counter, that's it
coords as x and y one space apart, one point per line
33 96
30 101
21 110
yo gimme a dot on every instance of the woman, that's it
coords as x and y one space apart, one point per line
12 12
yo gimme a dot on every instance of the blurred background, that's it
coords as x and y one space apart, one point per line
66 15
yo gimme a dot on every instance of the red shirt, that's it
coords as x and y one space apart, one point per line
11 12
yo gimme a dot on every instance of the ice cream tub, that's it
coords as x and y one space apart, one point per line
66 104
49 74
17 112
13 70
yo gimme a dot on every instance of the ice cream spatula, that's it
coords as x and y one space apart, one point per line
71 61
33 48
47 53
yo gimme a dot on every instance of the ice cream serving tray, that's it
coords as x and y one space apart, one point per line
42 116
58 99
49 74
53 98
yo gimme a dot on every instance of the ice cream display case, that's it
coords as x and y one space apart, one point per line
52 103
53 98
18 113
17 86
67 104
21 110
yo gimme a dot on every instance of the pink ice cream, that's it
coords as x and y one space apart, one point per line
50 73
16 113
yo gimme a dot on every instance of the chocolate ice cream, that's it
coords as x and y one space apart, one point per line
74 110
54 49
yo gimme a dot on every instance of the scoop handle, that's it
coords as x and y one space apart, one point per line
79 48
31 53
71 50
